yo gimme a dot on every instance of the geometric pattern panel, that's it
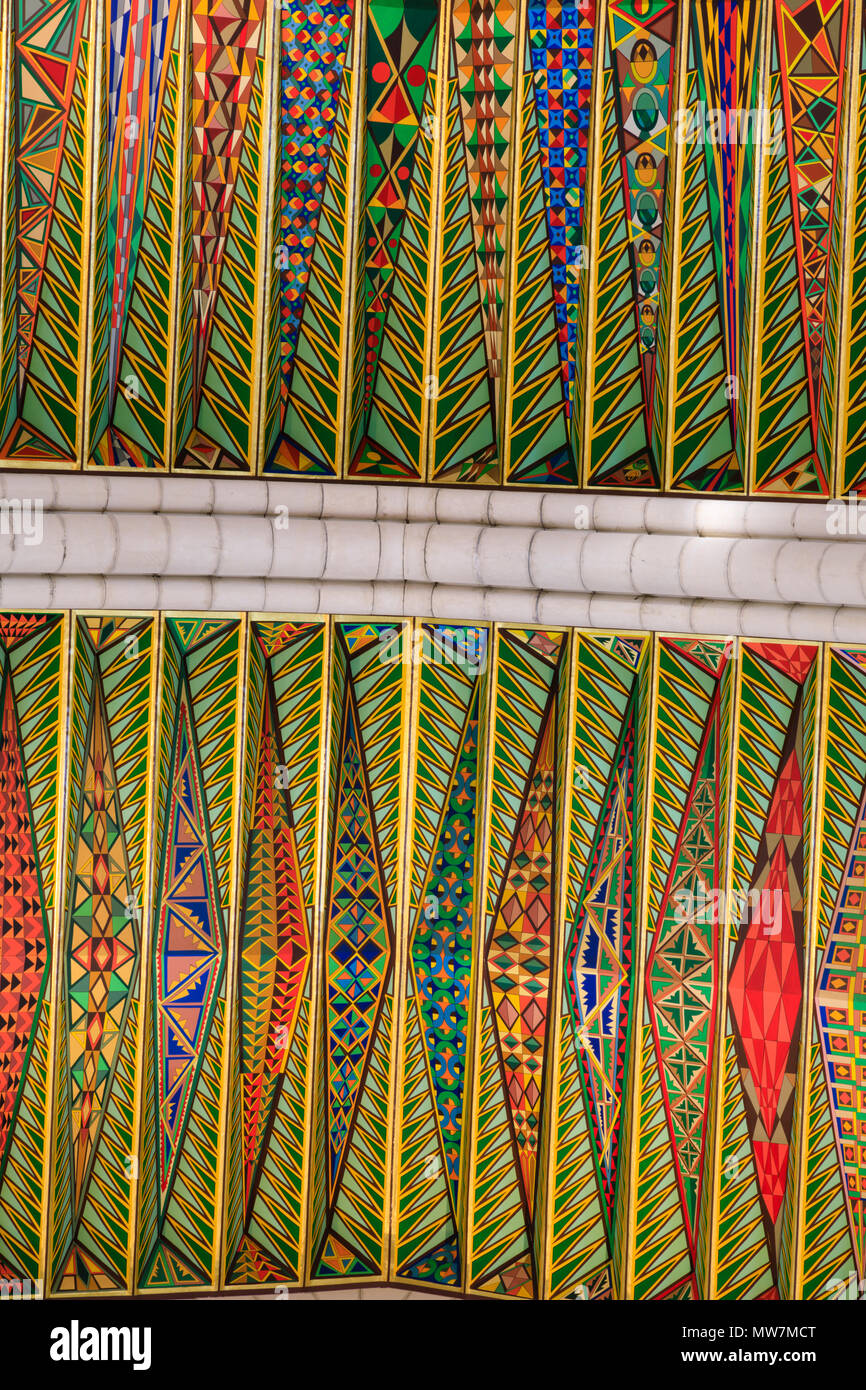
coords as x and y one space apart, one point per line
361 952
800 247
508 1194
442 947
766 990
33 714
685 920
508 961
185 1047
51 57
835 1103
271 1076
610 244
102 948
590 1126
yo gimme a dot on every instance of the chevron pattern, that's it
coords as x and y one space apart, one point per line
483 38
851 473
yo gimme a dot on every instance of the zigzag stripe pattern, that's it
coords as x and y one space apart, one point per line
812 40
442 924
499 1235
363 895
773 766
516 983
395 398
743 1268
605 679
426 1219
525 678
687 688
401 101
483 37
845 775
135 159
685 858
217 388
135 432
486 242
24 1170
764 718
270 1249
712 1166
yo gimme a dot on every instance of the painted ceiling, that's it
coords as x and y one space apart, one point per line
507 961
616 244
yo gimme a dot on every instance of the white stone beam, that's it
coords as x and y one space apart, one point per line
685 565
